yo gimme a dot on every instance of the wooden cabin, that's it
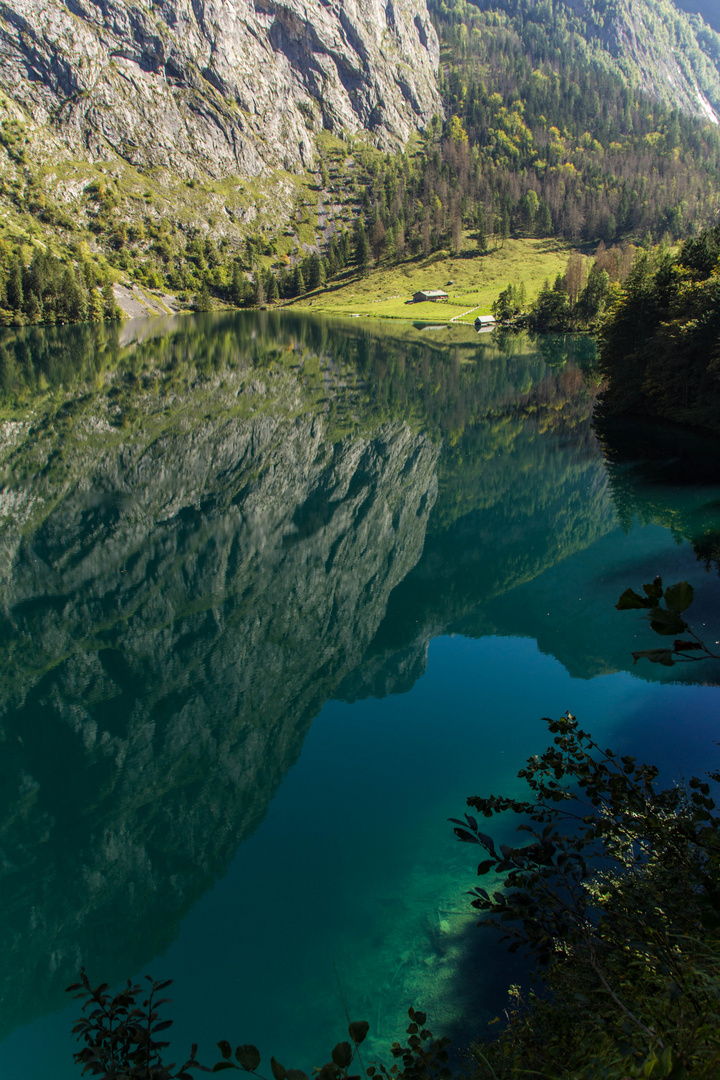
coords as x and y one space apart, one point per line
429 294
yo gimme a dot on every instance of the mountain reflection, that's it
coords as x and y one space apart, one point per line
206 535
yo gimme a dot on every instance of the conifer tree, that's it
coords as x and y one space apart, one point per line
361 246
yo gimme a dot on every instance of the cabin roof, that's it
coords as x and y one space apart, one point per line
432 294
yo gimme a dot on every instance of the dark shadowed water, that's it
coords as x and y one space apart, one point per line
277 595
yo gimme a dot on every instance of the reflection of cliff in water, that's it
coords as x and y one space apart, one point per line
518 494
171 629
524 541
200 547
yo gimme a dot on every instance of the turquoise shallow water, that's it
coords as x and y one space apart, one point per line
257 654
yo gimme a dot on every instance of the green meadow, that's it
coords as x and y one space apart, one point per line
472 282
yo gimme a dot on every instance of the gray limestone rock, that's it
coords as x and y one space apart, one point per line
220 86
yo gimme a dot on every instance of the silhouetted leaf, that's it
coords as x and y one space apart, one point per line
342 1055
630 599
679 597
358 1031
279 1071
248 1056
224 1048
666 622
655 656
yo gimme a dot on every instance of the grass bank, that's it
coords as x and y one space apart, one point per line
472 282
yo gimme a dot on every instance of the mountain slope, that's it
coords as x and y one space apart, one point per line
707 9
659 49
219 88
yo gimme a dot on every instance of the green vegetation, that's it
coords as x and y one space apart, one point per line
576 301
472 282
615 893
546 142
659 345
120 1036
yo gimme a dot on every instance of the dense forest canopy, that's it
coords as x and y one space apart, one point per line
660 346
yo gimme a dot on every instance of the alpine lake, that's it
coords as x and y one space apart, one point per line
278 594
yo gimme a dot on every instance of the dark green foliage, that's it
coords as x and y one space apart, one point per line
510 304
422 1058
240 290
316 275
299 287
540 139
567 306
593 299
668 621
258 296
660 345
272 290
14 285
552 308
52 290
120 1034
361 246
616 891
121 1045
203 301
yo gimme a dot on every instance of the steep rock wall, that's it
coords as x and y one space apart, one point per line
224 87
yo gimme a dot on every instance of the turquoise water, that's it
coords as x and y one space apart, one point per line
279 595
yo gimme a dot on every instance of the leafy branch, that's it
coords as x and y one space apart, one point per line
612 892
120 1036
667 620
121 1044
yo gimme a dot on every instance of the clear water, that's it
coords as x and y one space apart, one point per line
278 595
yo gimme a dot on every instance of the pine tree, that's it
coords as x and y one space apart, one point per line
14 286
202 298
110 307
314 279
271 288
299 281
238 287
481 233
361 246
258 298
73 300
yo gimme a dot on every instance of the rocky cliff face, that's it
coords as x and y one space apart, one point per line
223 86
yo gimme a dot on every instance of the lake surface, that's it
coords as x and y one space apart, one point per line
278 594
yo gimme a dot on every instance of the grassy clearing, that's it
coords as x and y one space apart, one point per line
472 282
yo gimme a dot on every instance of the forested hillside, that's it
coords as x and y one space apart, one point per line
660 347
707 9
547 129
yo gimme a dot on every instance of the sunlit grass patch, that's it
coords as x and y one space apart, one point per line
472 282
